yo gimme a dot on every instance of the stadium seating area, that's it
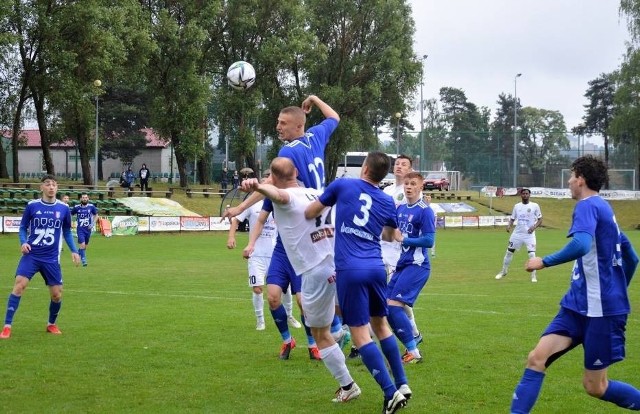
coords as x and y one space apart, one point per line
14 199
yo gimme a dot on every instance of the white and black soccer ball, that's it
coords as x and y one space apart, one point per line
241 75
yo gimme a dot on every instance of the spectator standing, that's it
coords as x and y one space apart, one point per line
224 180
236 180
144 175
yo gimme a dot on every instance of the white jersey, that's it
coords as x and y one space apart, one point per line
391 250
267 239
307 242
525 216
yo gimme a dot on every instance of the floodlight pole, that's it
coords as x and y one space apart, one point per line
421 166
398 115
97 83
515 127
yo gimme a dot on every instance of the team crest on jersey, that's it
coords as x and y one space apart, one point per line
410 217
57 214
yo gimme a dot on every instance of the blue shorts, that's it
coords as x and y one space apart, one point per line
84 234
51 272
406 283
281 273
602 338
362 294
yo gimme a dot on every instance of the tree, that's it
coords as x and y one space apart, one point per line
600 110
502 135
179 91
468 130
368 72
625 126
542 137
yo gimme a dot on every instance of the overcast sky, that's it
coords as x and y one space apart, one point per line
480 45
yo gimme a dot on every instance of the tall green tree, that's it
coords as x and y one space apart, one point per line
625 126
541 139
600 110
368 72
502 136
468 130
178 84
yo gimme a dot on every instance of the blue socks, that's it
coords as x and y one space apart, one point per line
54 309
527 391
399 322
12 307
373 360
392 354
336 324
307 330
623 395
280 318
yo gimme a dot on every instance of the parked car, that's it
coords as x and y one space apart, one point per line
436 181
388 180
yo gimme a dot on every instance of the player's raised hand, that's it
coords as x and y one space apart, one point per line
307 104
250 184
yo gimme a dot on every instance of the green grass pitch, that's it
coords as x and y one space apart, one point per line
164 324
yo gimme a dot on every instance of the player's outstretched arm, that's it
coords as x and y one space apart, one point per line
240 208
578 246
326 110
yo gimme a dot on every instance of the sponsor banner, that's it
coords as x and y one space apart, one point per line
143 224
501 220
11 224
469 221
194 223
217 223
124 225
164 223
559 193
486 221
455 208
452 221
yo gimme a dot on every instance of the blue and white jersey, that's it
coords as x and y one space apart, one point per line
362 210
307 153
43 224
415 220
598 284
84 214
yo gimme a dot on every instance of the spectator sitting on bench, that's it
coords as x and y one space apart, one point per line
127 178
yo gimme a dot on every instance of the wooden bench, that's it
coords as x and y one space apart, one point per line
460 198
206 192
149 193
18 185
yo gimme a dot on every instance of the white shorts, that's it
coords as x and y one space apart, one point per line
258 267
516 241
319 294
390 255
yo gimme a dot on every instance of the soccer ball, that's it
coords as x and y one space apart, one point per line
241 75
